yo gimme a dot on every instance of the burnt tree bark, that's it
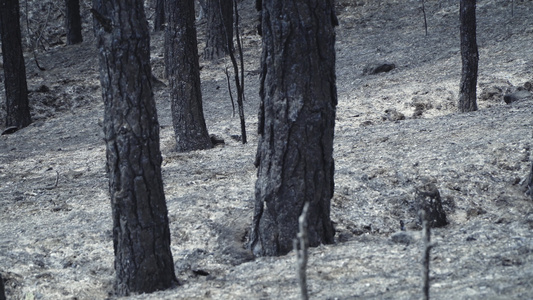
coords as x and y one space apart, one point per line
184 76
2 289
73 22
296 125
219 28
159 20
469 56
17 104
141 235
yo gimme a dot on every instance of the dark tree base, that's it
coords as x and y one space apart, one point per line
427 198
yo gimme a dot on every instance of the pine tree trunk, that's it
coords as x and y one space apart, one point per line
141 235
73 22
469 56
181 52
17 106
296 125
219 28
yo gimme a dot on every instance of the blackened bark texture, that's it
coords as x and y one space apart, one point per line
2 289
73 22
469 56
159 15
183 69
17 105
141 235
219 28
296 125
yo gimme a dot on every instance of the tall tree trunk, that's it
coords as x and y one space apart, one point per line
2 289
17 105
141 235
469 56
219 28
73 22
184 76
296 124
159 15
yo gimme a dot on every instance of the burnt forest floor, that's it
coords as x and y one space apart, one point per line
394 131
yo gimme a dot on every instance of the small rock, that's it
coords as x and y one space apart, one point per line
43 89
236 137
376 68
492 94
528 86
403 237
216 140
392 115
516 96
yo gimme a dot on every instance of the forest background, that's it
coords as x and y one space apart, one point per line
394 131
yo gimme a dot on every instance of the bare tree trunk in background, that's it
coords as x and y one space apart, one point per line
159 15
141 235
181 52
219 28
296 125
469 56
17 105
258 7
73 22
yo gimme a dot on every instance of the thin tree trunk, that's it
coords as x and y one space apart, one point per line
296 125
184 76
141 235
469 56
73 22
17 105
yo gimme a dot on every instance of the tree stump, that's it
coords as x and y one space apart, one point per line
427 198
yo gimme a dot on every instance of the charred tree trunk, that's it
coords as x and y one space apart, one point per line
159 15
2 289
219 28
296 125
184 76
469 56
73 22
17 106
141 235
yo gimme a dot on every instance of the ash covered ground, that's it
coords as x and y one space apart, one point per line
394 132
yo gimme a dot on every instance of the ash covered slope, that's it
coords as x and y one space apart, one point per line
55 239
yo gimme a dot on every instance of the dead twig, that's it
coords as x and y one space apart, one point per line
239 76
301 245
425 19
229 89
